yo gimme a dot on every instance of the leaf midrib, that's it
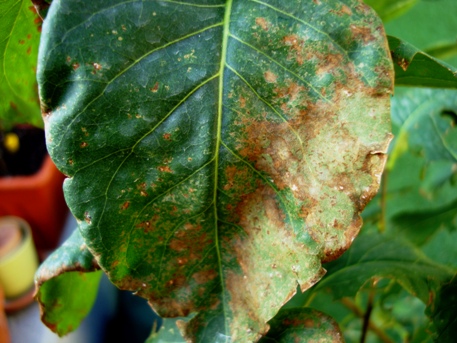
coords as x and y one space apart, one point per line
225 37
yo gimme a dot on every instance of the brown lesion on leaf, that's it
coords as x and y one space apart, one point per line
204 276
345 10
155 88
289 93
330 63
166 136
125 205
263 23
242 101
96 67
165 169
83 145
362 33
296 48
270 77
149 225
236 179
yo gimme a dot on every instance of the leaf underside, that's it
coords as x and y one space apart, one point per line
217 151
19 37
67 285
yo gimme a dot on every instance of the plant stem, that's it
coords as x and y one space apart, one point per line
366 317
382 221
371 326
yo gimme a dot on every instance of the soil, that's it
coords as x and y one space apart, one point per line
28 159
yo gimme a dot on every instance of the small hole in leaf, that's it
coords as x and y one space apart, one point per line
450 114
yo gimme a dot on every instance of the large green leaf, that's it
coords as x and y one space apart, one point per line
67 284
218 151
415 68
19 37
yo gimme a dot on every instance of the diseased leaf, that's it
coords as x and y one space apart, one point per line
415 68
19 37
168 333
67 284
302 325
373 257
217 151
443 313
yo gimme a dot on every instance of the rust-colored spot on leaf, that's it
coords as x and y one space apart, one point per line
143 194
165 169
83 145
97 67
270 77
403 63
204 276
263 23
362 33
75 65
125 205
345 10
87 218
295 45
155 88
329 63
242 101
166 136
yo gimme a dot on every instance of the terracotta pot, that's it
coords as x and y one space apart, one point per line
39 200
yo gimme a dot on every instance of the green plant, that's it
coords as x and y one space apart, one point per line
219 152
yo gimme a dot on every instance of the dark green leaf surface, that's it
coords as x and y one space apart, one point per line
67 284
443 312
19 37
373 257
217 151
301 325
415 68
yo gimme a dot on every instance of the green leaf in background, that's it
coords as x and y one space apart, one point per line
302 325
443 312
390 9
422 169
19 38
429 26
373 257
415 68
67 284
218 151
